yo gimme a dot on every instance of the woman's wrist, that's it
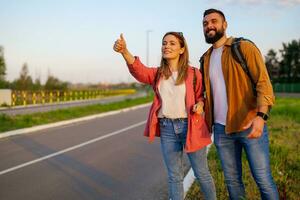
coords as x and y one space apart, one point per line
128 57
200 103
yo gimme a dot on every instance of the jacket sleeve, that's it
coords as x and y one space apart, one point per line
199 89
259 73
142 73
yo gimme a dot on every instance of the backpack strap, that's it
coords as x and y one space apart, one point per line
201 61
238 56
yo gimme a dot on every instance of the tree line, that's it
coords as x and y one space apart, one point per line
25 82
283 67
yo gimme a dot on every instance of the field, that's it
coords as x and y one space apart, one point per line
284 130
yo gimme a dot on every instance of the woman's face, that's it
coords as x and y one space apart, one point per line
171 48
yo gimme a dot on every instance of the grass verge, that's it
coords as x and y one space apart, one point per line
284 130
8 123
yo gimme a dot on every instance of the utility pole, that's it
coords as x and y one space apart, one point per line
147 48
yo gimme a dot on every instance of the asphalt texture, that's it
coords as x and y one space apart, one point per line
106 158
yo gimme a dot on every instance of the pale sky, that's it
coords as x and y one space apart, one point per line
73 39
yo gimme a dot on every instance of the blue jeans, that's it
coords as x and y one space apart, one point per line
230 147
173 137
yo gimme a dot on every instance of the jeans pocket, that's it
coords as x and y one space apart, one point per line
219 129
162 123
219 133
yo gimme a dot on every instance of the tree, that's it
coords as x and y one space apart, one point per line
3 82
2 64
53 83
272 65
24 82
290 63
37 84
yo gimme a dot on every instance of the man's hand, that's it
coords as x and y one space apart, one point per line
198 107
120 45
257 127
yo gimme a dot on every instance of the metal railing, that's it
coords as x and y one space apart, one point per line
287 87
44 97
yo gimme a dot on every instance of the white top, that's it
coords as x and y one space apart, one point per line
173 98
218 86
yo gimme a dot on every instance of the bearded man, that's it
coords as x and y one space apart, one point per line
236 113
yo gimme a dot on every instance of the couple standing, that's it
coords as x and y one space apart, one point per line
233 110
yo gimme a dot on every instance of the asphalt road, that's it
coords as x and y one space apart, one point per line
105 159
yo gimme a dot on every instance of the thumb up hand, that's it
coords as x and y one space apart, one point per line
120 44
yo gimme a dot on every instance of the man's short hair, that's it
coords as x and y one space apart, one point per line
212 10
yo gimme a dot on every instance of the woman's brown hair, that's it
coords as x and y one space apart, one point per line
182 63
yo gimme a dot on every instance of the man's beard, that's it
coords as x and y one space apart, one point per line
215 38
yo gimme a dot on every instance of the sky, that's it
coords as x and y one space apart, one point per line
73 39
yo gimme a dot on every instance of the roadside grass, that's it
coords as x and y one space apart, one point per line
8 123
284 130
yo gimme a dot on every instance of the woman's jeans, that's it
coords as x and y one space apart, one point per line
173 136
230 147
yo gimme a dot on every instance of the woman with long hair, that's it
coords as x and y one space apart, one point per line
176 112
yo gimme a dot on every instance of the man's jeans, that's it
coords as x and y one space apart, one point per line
230 147
173 138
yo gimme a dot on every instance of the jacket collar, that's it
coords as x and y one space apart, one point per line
228 41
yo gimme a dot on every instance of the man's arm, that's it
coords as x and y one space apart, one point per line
265 95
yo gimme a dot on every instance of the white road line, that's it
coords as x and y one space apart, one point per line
71 148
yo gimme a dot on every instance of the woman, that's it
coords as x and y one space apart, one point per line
175 114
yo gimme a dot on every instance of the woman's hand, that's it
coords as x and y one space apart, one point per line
198 108
120 45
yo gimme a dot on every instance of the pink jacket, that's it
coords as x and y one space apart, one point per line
198 135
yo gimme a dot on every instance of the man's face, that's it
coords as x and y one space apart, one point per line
214 27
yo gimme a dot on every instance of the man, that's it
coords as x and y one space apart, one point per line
236 112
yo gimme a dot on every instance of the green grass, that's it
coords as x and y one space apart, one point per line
284 129
8 123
